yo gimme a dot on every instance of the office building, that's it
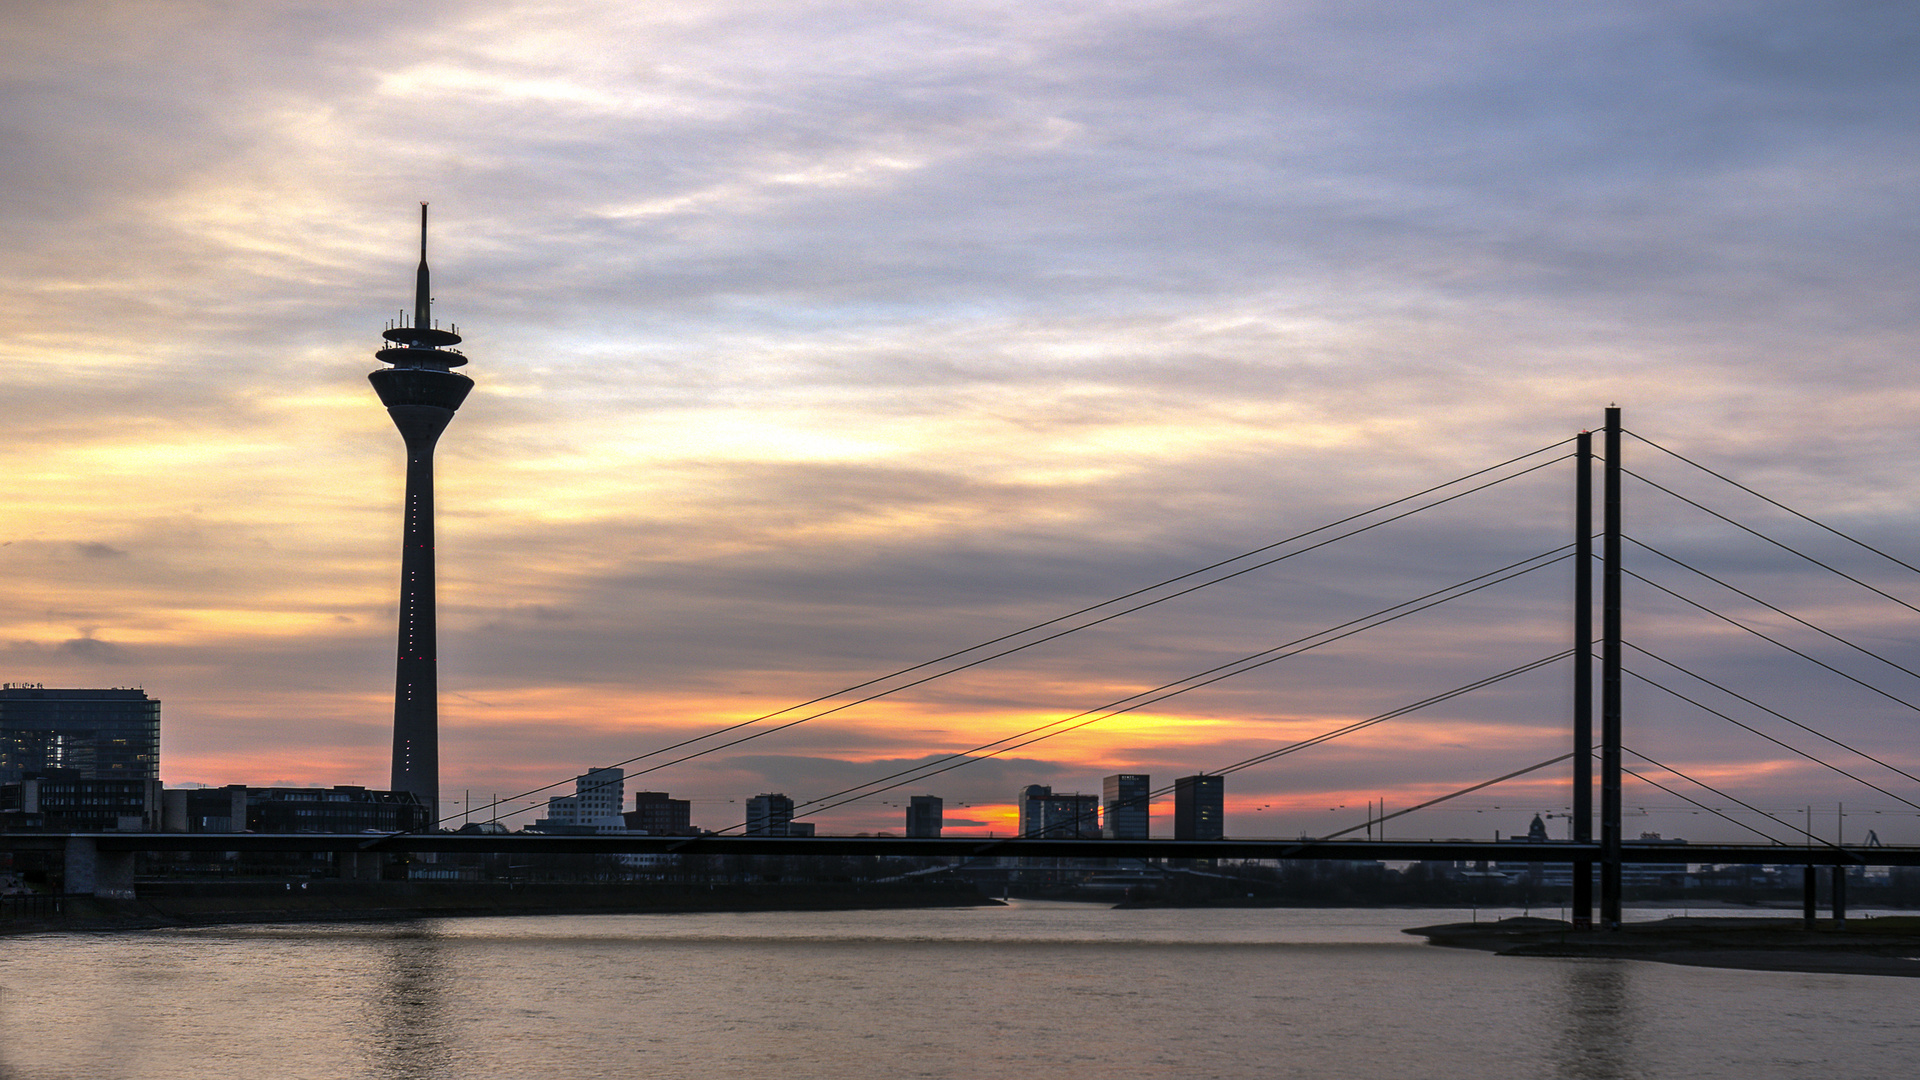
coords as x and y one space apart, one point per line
111 734
421 392
1515 867
1044 814
337 810
1125 806
346 808
594 806
658 814
770 815
1200 808
65 800
924 817
205 809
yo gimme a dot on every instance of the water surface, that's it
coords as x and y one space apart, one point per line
983 993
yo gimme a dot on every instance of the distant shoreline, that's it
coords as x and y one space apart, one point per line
179 905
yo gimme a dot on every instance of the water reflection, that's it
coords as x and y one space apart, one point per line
410 1012
1597 1039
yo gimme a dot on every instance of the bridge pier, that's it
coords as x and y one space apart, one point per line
1839 895
105 874
1810 896
359 865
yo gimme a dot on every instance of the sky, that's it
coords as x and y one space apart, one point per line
818 340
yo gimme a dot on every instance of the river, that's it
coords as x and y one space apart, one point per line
1030 990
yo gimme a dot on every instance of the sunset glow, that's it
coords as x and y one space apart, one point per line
804 357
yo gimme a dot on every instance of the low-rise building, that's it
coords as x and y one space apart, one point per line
658 814
1516 868
340 809
68 800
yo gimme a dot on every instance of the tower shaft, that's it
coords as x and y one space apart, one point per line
416 682
421 393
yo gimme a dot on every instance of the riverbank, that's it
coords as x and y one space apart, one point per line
181 904
1880 946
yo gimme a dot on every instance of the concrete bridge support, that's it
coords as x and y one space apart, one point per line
1810 896
359 865
105 874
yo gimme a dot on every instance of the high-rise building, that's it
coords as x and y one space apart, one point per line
1126 799
111 734
1046 815
421 392
658 814
1200 808
769 815
925 814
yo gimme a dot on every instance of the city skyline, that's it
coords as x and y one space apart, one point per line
818 347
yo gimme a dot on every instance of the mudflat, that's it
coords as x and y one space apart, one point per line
1879 946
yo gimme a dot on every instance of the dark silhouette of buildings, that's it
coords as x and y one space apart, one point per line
1200 808
1047 815
925 817
64 800
657 814
1127 799
342 809
421 392
770 815
111 734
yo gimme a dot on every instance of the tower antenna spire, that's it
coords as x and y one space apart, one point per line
422 293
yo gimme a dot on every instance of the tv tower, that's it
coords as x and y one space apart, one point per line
421 391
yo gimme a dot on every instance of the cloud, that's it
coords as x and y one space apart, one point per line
815 343
92 651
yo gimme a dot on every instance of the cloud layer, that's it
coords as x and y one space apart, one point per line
815 342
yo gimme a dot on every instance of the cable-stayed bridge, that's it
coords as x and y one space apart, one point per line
1596 649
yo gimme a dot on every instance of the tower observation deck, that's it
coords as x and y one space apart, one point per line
421 392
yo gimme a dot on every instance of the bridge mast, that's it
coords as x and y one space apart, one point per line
1583 676
1610 687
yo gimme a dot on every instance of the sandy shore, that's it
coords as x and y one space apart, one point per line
1884 946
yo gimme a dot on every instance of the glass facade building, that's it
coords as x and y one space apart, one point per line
111 734
1126 805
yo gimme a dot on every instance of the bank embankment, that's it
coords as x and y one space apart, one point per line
1881 946
176 904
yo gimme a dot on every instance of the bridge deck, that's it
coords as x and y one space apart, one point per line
974 847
